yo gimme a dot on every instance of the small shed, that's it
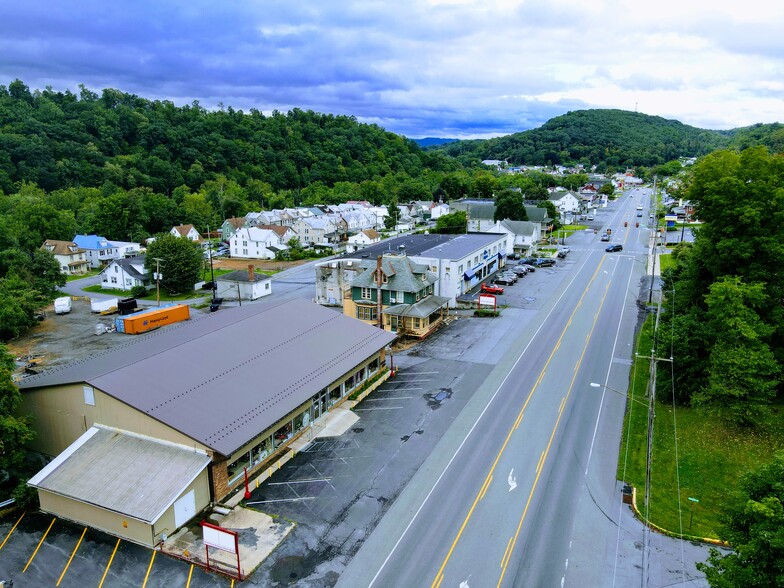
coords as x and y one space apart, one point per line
243 285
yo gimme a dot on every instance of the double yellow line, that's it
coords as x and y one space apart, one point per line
482 491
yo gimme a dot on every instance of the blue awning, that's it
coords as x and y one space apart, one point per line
469 275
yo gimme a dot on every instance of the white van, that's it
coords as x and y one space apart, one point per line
62 305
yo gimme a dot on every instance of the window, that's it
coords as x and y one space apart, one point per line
460 269
366 313
114 280
116 269
366 294
416 323
89 395
245 252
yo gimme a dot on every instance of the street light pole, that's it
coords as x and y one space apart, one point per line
157 280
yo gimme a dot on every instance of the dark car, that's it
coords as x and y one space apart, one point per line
614 247
527 260
544 262
528 267
503 280
520 270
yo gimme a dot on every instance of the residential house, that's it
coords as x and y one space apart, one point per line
256 243
521 236
101 251
566 202
315 231
187 231
71 258
284 233
362 239
243 285
479 212
407 302
125 274
231 226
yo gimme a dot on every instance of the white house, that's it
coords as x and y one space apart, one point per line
566 202
521 236
186 231
284 233
438 209
125 274
362 240
255 243
247 285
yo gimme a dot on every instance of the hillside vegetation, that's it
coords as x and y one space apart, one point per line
611 138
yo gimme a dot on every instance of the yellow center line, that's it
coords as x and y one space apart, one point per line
108 565
552 434
507 552
29 561
149 568
484 490
440 572
540 462
19 520
65 569
438 581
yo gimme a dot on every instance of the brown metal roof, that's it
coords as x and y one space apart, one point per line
223 378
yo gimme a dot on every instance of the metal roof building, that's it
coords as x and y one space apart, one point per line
236 385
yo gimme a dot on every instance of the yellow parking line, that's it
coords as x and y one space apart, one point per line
190 573
149 567
65 569
19 520
29 561
108 565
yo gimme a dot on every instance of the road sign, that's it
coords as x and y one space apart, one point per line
487 300
693 499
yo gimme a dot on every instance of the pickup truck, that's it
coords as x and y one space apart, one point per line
485 289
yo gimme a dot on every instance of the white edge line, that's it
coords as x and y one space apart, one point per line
476 422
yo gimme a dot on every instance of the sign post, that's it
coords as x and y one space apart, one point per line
223 539
691 513
487 300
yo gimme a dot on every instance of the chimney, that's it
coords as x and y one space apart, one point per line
251 273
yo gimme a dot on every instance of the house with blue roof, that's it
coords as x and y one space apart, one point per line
101 252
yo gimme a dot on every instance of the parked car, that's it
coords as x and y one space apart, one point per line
504 280
562 254
520 270
544 262
564 248
605 237
528 260
614 247
489 289
528 267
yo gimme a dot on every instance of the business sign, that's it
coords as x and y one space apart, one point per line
487 300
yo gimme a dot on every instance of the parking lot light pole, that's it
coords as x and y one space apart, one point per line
597 385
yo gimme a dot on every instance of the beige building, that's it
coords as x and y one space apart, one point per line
72 258
148 435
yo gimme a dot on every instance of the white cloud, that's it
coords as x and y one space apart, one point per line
438 67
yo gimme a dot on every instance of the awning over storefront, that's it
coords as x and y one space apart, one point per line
469 275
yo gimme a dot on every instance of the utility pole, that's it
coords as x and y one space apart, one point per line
212 271
157 280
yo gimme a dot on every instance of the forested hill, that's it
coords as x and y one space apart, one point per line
614 137
60 139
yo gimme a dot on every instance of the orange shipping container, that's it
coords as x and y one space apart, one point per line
146 321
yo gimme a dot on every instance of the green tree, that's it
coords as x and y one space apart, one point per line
454 222
753 523
607 189
743 371
509 205
180 262
15 431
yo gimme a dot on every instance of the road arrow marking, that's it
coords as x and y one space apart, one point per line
512 480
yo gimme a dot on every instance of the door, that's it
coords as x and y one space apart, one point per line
185 509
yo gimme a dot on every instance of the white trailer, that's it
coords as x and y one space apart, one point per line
107 306
62 305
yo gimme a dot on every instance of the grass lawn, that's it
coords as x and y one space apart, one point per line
150 296
712 455
92 272
665 261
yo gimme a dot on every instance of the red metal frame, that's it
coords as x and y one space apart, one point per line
236 545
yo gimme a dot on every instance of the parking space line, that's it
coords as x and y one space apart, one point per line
19 520
424 380
149 568
379 408
108 565
299 481
388 398
65 569
399 389
281 500
29 561
190 575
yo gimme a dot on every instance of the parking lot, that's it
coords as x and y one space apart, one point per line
336 490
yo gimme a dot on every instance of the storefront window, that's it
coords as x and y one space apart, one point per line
282 435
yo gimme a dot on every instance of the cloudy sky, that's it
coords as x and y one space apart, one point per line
439 68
